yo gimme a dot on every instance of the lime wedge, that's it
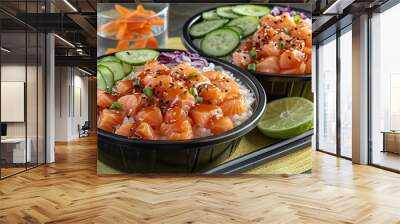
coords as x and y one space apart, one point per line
287 118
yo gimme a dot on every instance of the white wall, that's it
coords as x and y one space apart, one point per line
71 94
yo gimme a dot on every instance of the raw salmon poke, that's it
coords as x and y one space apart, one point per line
258 38
169 96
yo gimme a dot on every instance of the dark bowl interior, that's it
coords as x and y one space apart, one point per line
163 156
270 77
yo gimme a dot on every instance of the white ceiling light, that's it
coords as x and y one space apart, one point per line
70 5
64 40
5 49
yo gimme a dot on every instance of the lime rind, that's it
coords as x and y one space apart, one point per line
287 118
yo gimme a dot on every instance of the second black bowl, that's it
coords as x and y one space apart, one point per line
187 156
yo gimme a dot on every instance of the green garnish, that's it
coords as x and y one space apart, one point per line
296 19
137 83
193 91
109 89
199 99
253 53
251 67
148 92
286 30
191 74
282 44
116 105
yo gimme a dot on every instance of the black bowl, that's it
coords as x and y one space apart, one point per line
276 85
186 156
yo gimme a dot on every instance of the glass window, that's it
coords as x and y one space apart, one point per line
346 92
385 89
327 95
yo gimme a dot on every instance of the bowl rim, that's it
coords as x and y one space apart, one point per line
188 41
249 80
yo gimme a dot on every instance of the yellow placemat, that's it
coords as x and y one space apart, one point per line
294 163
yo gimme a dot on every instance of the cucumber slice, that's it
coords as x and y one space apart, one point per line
210 15
116 68
200 29
197 42
101 83
251 10
226 12
137 57
110 58
248 24
107 75
236 29
127 68
220 42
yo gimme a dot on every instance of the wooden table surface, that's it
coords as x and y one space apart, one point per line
69 191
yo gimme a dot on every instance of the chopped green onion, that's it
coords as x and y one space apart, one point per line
296 19
116 105
148 92
251 67
199 99
137 83
253 53
286 30
193 91
282 44
109 89
191 74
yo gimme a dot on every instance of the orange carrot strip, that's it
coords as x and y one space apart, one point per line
123 45
144 30
121 31
140 44
136 24
121 9
127 36
156 21
152 43
109 27
140 8
111 50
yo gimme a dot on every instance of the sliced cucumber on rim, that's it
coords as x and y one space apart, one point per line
248 24
116 68
251 10
226 12
101 83
210 15
197 42
236 29
220 42
107 76
110 58
127 68
200 29
137 57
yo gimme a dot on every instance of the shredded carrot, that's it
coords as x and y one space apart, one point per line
122 30
140 44
133 24
152 43
109 27
121 9
123 45
111 50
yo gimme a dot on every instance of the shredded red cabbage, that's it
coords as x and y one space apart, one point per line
177 57
276 11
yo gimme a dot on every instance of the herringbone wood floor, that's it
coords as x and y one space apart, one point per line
69 191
